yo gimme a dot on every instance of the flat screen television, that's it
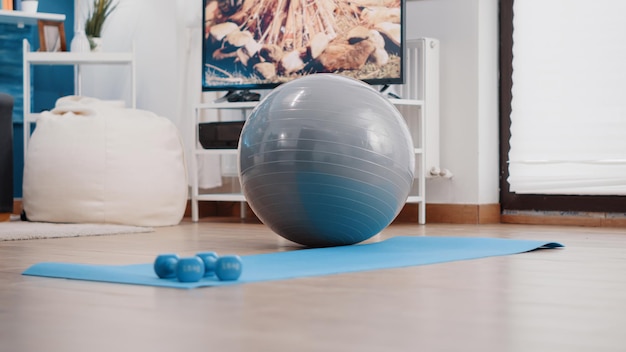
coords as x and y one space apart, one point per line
260 44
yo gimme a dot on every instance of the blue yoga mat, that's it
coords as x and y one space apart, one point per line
395 252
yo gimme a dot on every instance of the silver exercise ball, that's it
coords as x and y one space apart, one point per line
326 160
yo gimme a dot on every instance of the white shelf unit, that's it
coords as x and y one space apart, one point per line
413 112
245 108
69 59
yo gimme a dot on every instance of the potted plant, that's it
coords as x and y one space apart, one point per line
100 10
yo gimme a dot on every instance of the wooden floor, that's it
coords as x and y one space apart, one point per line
571 299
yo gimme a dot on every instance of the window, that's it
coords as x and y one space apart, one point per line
563 129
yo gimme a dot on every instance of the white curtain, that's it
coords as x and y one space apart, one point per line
568 119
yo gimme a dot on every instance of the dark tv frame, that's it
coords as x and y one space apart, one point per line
262 86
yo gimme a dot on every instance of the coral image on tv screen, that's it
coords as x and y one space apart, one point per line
263 43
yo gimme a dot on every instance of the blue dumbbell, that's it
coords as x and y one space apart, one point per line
190 269
209 259
228 267
165 265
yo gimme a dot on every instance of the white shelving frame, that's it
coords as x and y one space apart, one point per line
77 60
414 118
244 107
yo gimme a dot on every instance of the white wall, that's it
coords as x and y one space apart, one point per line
149 25
467 31
488 103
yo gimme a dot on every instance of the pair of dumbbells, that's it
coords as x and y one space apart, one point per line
192 269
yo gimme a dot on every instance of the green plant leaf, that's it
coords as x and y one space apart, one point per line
97 15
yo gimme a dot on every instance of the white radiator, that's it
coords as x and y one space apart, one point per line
422 83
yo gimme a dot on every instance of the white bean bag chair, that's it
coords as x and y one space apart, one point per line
92 161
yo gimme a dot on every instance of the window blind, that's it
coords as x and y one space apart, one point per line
568 111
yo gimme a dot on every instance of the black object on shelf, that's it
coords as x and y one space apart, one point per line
220 135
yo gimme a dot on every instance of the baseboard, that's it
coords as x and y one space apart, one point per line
588 219
463 213
17 206
435 213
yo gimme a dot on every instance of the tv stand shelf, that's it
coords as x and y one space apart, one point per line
413 114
